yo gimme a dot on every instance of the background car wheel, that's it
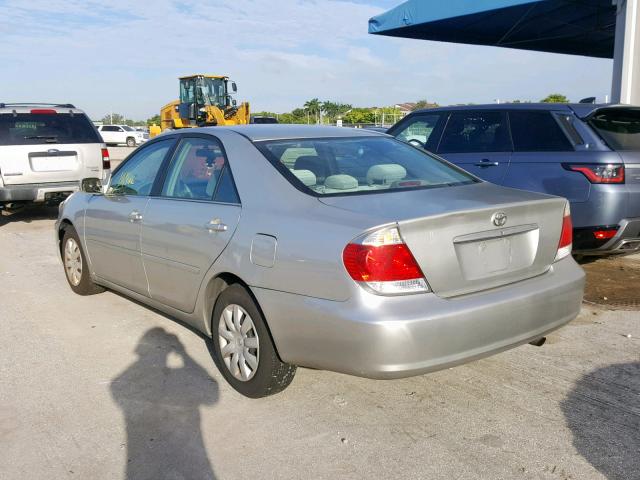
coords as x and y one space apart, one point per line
242 346
75 265
131 142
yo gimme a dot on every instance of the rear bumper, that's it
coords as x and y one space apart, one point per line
392 337
626 240
35 192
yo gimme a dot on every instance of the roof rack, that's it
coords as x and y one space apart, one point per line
36 104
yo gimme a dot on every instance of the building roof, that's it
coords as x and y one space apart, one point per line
585 27
407 107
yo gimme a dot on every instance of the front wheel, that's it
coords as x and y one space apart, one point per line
243 349
75 265
131 142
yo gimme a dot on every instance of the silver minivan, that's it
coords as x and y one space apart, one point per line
45 150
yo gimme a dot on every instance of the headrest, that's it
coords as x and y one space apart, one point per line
386 173
307 177
341 182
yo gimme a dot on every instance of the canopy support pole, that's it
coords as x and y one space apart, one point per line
625 86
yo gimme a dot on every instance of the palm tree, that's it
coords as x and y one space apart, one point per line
312 107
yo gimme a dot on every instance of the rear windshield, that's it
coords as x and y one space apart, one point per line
620 129
36 129
342 166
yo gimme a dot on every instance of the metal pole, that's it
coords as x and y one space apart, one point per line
625 86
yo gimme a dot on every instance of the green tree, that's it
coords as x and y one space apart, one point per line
360 115
424 104
333 110
113 118
155 119
555 98
312 107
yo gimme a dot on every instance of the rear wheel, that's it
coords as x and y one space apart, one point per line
75 265
243 349
131 142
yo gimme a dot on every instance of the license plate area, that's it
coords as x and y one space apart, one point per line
497 253
53 161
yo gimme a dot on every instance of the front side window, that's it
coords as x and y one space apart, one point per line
619 127
470 132
137 175
421 130
47 128
197 172
537 132
340 166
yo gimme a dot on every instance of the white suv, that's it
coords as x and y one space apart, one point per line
45 152
122 135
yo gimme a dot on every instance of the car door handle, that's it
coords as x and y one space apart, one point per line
486 163
216 226
135 216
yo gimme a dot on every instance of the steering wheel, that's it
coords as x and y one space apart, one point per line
183 190
417 143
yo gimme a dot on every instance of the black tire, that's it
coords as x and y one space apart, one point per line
85 286
131 142
271 375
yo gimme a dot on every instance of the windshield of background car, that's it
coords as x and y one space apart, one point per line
50 128
342 166
620 128
126 128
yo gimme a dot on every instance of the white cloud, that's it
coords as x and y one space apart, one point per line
126 56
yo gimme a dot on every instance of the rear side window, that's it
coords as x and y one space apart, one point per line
620 128
470 132
49 128
343 166
537 132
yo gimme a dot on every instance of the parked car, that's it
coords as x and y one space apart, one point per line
45 151
589 154
323 247
262 119
122 135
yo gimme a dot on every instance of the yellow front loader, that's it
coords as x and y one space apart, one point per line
205 100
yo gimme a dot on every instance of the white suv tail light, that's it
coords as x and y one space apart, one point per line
566 236
106 160
382 263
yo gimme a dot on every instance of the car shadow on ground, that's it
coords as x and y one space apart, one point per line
160 396
28 215
603 413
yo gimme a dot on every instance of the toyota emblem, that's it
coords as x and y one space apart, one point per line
499 219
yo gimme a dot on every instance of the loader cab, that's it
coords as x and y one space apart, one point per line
201 91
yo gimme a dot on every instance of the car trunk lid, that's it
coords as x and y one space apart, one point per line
470 238
21 164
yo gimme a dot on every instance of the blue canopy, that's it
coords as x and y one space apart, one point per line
576 27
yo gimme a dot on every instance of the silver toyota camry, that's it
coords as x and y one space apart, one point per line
323 247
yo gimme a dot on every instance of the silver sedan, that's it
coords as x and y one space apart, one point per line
323 247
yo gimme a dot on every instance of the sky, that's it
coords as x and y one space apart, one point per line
125 56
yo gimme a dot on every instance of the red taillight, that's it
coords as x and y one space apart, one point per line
43 111
610 173
386 263
605 234
106 160
566 235
383 262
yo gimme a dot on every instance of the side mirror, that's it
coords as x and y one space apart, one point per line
91 185
234 87
234 102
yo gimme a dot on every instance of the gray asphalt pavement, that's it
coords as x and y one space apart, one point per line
101 387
